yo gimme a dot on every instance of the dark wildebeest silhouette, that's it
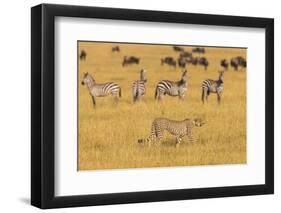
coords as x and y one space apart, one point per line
193 60
115 49
224 64
169 60
185 54
182 62
204 62
242 61
238 61
178 49
130 60
83 55
198 50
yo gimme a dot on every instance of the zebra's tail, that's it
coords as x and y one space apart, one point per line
203 94
120 94
156 93
136 95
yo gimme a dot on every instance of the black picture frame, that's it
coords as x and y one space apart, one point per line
43 105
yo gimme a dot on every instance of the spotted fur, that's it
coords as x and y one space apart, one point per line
177 128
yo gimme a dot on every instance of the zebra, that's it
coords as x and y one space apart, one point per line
101 90
83 55
172 88
177 128
213 86
139 86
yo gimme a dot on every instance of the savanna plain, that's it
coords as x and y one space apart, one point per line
108 134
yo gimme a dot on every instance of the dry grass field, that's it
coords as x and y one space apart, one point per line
108 134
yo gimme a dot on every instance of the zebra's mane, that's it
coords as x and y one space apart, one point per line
91 77
221 77
181 82
92 80
183 78
142 76
220 81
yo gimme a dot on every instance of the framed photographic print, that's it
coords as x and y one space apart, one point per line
139 106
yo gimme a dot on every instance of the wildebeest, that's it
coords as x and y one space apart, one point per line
130 60
224 64
238 61
204 62
178 49
198 50
115 49
169 60
242 61
185 54
193 60
182 62
83 55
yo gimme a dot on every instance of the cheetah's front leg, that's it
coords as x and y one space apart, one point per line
178 140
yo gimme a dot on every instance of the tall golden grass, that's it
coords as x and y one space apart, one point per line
108 134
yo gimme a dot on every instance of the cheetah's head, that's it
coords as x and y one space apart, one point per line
198 122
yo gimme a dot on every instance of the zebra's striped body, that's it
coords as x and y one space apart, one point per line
176 128
139 86
213 86
172 88
101 90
